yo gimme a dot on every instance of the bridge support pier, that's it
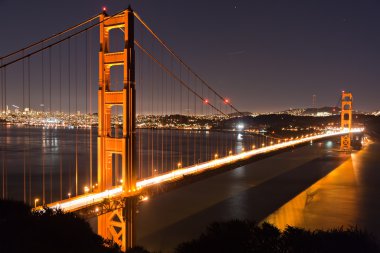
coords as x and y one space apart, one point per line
118 225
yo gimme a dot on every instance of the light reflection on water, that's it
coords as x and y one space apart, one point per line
331 202
59 157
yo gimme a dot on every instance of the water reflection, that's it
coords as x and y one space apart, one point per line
330 202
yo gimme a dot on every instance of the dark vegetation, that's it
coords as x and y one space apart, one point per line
245 237
22 230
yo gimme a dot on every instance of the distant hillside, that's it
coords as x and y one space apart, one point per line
285 120
237 114
278 121
327 109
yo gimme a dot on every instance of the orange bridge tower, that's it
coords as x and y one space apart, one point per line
118 224
346 120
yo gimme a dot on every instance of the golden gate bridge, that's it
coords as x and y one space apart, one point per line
139 78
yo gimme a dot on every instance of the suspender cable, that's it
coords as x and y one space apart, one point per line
43 131
151 112
29 135
90 91
23 108
86 92
5 183
60 111
175 76
3 110
162 116
50 111
76 117
69 123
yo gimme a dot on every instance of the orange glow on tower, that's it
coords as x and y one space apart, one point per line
117 225
346 120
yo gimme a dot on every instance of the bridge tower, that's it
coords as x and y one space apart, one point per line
118 224
346 120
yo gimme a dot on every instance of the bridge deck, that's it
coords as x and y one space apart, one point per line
91 199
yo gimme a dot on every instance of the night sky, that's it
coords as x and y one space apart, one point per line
265 55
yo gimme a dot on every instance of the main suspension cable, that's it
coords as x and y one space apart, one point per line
59 41
51 37
174 76
182 62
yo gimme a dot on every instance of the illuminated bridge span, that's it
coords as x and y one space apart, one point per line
94 199
154 119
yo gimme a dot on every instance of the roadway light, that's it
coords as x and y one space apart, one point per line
242 149
263 144
179 165
121 181
230 152
35 202
86 189
69 194
216 156
253 146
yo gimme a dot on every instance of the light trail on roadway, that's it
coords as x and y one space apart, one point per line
89 199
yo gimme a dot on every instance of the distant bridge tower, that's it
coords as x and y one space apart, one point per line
346 120
118 224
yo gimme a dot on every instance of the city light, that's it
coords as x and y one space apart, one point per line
86 189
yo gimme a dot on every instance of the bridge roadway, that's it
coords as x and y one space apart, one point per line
92 199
